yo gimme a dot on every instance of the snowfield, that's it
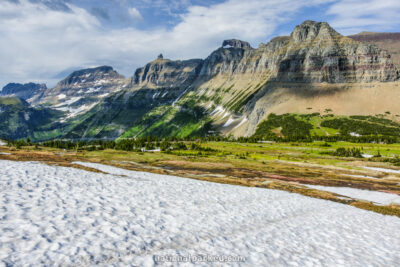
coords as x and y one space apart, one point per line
64 216
379 198
382 170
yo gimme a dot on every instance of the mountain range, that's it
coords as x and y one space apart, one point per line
234 89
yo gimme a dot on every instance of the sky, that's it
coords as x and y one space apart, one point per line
45 40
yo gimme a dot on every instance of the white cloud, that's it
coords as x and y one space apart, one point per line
135 14
38 42
353 16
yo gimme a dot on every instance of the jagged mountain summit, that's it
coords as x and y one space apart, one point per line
232 90
82 90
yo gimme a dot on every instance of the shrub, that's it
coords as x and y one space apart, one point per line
349 152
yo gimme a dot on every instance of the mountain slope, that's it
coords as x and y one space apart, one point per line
311 68
158 84
19 120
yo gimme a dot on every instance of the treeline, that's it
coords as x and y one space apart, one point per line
362 127
173 143
19 143
289 128
360 139
134 144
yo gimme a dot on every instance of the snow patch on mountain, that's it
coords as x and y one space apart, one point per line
61 96
229 121
244 120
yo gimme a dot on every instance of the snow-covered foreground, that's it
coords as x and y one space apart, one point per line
65 216
380 198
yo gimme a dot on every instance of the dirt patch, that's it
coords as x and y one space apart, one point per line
198 165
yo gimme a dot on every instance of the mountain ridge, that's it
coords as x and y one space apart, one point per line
230 91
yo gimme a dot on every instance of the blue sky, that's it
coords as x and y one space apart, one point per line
44 40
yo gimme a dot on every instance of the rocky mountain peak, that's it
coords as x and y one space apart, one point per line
90 75
24 91
235 43
83 89
166 73
310 30
13 88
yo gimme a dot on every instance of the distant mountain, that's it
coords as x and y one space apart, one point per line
389 41
232 91
82 89
28 91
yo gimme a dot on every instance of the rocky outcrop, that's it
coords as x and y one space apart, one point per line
230 59
235 43
167 73
223 61
27 91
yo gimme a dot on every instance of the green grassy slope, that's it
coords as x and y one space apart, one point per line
19 120
185 118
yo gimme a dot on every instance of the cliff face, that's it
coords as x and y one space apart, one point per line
167 73
317 53
227 60
387 41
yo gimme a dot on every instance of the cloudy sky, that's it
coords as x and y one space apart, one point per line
44 40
